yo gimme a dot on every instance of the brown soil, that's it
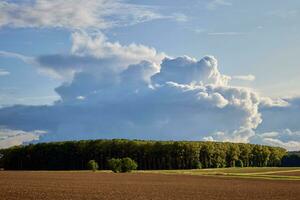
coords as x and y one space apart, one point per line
138 186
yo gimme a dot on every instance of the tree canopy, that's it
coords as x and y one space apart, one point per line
74 155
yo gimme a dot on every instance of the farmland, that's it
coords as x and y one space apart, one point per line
158 184
272 173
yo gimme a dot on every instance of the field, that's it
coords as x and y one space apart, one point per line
149 185
271 173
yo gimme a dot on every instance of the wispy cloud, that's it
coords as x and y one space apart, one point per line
78 14
213 4
8 54
199 30
286 139
225 33
284 14
215 33
248 77
179 17
3 72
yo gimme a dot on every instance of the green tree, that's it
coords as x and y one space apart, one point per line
239 163
147 154
122 165
233 154
127 165
206 155
245 154
92 165
276 156
115 164
265 156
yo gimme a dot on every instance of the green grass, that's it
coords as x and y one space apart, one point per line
248 172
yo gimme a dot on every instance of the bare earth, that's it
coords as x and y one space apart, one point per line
89 185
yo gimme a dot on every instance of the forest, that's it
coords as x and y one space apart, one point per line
291 159
74 155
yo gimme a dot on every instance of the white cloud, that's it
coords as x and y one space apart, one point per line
80 97
286 138
3 72
290 145
213 4
93 54
280 114
131 91
78 14
179 17
186 70
268 102
97 46
74 14
225 33
248 77
10 137
209 138
181 98
26 59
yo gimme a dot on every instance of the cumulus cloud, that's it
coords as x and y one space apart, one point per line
186 70
280 122
10 138
280 114
267 102
93 54
133 91
286 138
290 145
243 134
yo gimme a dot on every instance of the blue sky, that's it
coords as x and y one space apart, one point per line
49 51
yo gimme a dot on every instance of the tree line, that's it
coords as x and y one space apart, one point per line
292 159
74 155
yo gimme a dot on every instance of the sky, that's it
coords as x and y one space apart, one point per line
215 70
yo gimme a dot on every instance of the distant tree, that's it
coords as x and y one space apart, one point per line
275 157
245 154
291 160
92 165
206 155
257 159
233 154
128 165
239 163
265 156
115 164
219 156
196 164
122 165
1 160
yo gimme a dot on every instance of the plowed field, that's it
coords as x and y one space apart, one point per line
139 186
